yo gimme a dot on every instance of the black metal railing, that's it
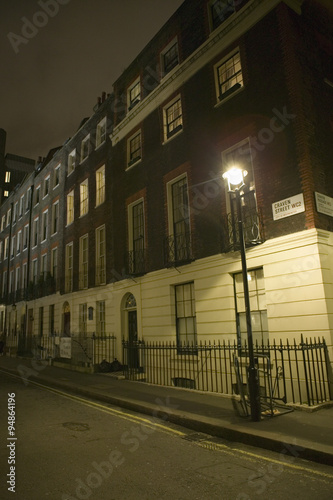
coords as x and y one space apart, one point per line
297 372
136 262
178 249
252 227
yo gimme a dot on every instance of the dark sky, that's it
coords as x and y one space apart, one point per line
51 75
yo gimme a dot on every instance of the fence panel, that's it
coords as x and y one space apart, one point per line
290 373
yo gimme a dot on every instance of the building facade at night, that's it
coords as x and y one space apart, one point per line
128 229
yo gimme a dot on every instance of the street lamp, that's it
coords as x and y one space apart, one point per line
235 177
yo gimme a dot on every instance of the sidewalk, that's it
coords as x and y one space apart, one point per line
307 435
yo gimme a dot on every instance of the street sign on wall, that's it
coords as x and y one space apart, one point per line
324 204
290 206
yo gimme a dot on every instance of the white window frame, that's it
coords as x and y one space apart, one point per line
34 271
37 200
56 176
210 14
45 223
164 52
27 201
9 214
133 161
46 188
84 197
19 242
35 234
15 212
100 186
100 257
43 266
70 208
85 148
54 262
232 58
168 136
133 101
100 318
25 236
83 261
101 132
71 162
55 217
3 222
6 248
25 275
69 267
12 247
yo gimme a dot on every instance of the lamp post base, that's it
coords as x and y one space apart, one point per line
254 394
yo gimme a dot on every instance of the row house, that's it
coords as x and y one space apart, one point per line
133 232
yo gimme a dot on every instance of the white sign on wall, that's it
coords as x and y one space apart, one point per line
65 347
324 204
290 206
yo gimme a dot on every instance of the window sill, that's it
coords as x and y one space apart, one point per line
131 165
230 96
172 137
100 145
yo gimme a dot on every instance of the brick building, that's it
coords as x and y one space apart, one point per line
146 246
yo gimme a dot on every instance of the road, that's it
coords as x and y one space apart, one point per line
70 448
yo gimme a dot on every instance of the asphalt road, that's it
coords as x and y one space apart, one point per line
67 448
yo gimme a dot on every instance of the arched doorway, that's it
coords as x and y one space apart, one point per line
66 319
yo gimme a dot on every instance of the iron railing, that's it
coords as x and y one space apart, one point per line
178 249
292 372
136 262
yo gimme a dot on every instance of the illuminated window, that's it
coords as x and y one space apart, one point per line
100 255
83 263
70 207
7 177
228 76
84 198
100 186
134 94
173 118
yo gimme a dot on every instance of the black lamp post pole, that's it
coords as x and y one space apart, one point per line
252 369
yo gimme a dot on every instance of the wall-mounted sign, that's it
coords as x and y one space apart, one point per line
288 207
65 347
324 204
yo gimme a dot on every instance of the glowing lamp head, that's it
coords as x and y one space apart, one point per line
235 177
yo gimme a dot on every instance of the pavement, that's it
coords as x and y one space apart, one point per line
303 434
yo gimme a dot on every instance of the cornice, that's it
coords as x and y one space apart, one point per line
219 40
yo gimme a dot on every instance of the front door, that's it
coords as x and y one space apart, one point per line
133 353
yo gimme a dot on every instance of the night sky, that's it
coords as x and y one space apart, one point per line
52 74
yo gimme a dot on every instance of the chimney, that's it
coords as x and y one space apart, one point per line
103 96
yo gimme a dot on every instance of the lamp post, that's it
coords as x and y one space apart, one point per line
235 177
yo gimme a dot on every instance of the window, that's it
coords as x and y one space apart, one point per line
25 276
70 207
1 250
179 244
134 94
18 279
100 255
56 176
4 284
101 132
27 200
185 315
46 186
83 319
3 222
172 118
15 212
19 242
85 148
25 236
9 213
100 318
35 232
169 57
69 268
100 186
43 267
258 307
228 76
7 176
55 217
11 282
37 198
34 277
136 238
220 10
21 206
6 248
83 263
45 224
12 248
6 193
134 149
54 263
71 162
84 201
